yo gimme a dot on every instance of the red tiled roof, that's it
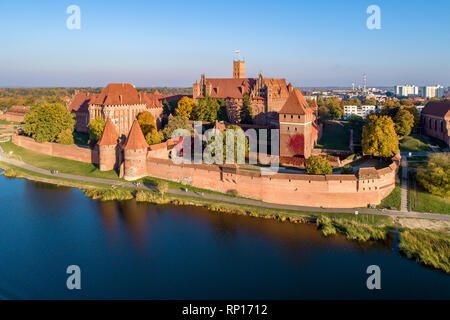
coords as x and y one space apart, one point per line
153 100
109 136
18 109
437 108
119 94
135 138
296 104
80 102
230 87
279 87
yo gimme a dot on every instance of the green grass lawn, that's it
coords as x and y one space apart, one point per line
423 201
334 137
8 122
53 163
393 200
414 143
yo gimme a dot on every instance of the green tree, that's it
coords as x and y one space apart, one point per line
356 123
206 109
246 113
435 177
96 128
318 165
379 137
222 114
146 122
240 149
404 122
176 123
184 108
334 108
46 122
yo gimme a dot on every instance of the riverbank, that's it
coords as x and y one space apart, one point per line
361 227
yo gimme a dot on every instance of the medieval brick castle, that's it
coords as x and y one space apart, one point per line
275 105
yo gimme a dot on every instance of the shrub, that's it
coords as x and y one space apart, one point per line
318 165
162 187
435 178
429 248
10 173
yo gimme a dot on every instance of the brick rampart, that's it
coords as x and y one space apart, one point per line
71 152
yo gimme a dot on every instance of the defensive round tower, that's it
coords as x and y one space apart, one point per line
108 147
135 154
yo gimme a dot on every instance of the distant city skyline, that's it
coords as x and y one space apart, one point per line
169 44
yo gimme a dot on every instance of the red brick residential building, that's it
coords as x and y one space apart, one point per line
268 95
435 120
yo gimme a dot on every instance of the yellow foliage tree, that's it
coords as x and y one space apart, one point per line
379 137
184 108
147 122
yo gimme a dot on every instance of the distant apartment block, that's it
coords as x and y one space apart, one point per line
432 91
406 91
362 111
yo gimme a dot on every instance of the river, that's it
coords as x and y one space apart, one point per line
127 250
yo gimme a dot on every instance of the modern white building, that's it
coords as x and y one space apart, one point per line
362 111
406 91
432 91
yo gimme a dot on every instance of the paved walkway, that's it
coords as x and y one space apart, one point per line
405 187
216 197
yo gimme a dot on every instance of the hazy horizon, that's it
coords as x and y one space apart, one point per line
153 44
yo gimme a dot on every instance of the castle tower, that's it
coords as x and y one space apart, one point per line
296 119
108 147
238 69
135 154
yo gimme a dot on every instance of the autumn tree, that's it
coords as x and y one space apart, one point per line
184 108
154 137
404 122
96 128
330 109
246 113
46 122
65 137
146 122
318 165
379 137
435 177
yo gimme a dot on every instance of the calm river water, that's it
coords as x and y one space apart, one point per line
129 250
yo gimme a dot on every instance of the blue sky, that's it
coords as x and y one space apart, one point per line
170 43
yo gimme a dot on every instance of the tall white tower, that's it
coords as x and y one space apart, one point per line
365 81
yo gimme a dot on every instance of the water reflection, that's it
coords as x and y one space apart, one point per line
134 250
